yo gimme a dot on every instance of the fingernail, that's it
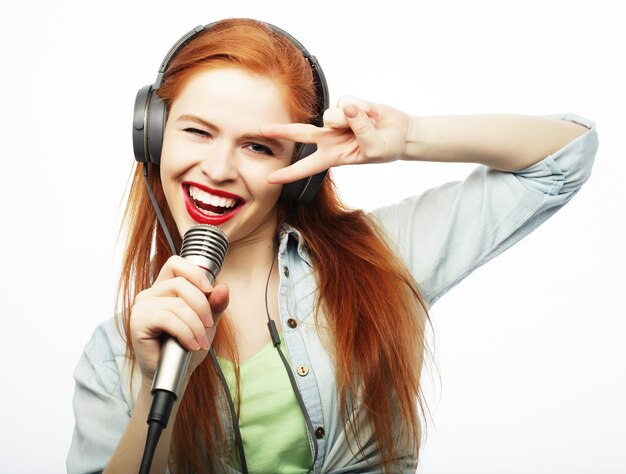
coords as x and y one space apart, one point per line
351 111
206 285
374 112
208 321
204 343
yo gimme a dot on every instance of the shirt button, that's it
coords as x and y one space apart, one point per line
286 271
292 323
319 432
303 370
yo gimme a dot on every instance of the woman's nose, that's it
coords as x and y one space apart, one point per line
220 164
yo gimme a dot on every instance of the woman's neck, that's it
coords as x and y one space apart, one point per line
249 259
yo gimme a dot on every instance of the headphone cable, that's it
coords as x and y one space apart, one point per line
162 399
271 325
155 205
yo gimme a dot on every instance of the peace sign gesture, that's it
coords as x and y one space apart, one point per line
354 132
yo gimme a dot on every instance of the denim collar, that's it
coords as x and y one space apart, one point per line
287 234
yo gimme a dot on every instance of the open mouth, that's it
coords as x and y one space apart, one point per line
204 204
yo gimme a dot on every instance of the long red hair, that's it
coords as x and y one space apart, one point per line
367 297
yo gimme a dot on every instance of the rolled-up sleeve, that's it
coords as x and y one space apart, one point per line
101 404
447 232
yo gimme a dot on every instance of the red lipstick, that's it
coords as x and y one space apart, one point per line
203 218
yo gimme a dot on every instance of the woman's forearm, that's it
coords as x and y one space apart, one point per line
504 142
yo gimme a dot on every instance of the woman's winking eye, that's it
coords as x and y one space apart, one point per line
197 131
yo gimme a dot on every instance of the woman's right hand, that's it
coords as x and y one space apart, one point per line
354 132
182 303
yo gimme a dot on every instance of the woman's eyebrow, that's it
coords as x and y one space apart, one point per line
195 118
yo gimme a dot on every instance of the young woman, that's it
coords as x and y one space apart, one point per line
348 291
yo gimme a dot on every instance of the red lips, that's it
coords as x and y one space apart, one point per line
202 218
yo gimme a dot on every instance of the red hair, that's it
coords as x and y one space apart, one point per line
367 297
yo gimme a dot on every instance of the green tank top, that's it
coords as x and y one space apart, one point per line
272 426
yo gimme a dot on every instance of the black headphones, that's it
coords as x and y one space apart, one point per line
150 116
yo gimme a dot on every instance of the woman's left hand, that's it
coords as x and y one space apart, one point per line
354 132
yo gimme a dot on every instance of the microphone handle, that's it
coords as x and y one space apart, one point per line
206 246
174 361
172 367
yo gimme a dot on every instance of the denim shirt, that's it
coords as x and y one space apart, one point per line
442 235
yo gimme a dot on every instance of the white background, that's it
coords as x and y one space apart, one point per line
528 373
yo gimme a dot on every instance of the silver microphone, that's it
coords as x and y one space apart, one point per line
206 246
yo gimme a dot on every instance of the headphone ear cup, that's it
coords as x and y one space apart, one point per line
139 125
157 116
304 190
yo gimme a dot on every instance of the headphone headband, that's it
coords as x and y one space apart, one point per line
150 115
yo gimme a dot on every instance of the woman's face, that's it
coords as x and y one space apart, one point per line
214 163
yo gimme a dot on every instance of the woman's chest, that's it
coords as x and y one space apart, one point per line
247 314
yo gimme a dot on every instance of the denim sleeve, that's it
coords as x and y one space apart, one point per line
447 232
102 405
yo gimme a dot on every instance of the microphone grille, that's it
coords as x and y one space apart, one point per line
206 245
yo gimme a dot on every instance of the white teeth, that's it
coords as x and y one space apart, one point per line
209 213
211 199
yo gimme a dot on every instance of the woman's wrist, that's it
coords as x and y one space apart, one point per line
414 147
